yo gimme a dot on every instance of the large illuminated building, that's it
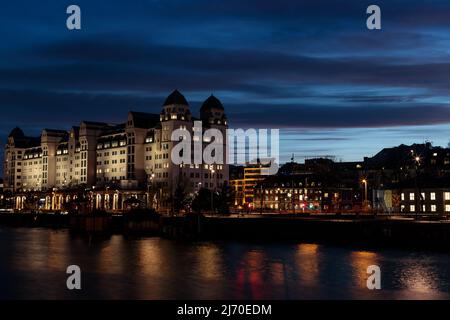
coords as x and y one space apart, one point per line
113 161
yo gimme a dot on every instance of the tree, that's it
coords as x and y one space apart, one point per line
7 201
31 203
180 197
202 201
225 198
396 202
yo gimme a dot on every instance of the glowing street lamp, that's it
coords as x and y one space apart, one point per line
364 181
212 195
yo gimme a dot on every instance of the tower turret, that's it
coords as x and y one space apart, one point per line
175 108
212 112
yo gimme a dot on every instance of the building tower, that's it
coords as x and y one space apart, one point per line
212 114
175 115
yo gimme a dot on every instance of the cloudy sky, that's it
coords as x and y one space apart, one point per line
310 68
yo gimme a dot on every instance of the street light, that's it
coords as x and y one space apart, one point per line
418 196
212 196
364 181
262 199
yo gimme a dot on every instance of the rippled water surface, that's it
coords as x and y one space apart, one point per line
33 265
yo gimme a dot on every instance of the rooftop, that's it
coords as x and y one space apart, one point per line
210 103
175 98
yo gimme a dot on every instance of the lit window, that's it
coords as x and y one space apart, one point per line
432 196
412 208
433 208
422 194
447 195
447 208
403 197
411 196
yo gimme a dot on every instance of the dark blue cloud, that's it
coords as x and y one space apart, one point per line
286 63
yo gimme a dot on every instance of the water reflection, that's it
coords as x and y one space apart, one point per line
360 261
33 264
110 256
307 262
209 260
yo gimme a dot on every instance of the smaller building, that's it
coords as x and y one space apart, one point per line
423 197
237 186
243 181
301 193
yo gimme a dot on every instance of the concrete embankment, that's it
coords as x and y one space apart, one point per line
35 220
376 231
372 231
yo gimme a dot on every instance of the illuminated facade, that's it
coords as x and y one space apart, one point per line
135 155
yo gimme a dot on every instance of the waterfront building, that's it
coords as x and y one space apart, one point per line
252 176
243 181
424 196
113 161
302 193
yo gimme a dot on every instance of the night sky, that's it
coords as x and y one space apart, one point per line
311 68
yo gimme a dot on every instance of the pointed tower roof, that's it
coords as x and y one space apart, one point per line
175 98
16 133
210 103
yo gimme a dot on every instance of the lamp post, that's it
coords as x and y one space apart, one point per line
262 200
293 195
290 199
278 199
418 193
150 187
212 194
364 181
